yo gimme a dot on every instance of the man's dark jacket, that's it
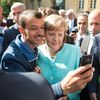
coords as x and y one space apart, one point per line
9 35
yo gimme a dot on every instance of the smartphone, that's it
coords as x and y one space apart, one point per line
86 59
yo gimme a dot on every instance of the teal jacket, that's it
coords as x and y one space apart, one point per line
54 70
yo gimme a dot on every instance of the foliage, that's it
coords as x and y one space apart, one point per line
6 4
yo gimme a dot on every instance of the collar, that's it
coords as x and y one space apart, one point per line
31 54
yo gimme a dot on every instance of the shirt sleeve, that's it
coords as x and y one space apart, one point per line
57 90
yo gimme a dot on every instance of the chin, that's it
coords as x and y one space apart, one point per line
39 42
55 49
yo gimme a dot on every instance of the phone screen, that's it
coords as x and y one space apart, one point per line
86 59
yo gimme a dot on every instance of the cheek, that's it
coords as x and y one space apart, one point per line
48 38
61 40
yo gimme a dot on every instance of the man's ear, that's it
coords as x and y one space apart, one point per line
21 30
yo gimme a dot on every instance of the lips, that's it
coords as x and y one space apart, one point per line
54 43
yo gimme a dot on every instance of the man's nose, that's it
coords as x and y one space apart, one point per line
40 30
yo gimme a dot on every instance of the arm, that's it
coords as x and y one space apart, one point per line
74 81
12 66
12 63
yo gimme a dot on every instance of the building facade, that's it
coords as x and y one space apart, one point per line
76 5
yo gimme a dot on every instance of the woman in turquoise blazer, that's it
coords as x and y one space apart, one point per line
57 58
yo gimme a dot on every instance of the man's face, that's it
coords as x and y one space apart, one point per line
16 13
82 24
94 24
70 16
54 38
34 31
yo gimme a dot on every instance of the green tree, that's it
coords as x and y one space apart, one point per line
6 4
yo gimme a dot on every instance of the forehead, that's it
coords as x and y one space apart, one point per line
82 18
94 17
60 29
17 9
69 14
34 21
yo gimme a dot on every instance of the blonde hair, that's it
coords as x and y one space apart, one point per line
54 22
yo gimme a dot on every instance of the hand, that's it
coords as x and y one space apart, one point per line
37 70
77 79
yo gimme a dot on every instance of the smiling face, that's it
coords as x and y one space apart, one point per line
54 39
34 31
55 27
32 27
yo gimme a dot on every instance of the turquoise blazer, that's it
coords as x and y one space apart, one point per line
55 69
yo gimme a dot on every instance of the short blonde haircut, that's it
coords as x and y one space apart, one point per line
54 22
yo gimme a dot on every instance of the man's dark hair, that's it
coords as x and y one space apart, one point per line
28 13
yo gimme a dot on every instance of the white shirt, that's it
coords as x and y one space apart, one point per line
90 44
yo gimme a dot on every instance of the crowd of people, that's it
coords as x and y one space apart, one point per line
43 48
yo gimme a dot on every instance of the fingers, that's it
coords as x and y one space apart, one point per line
86 76
37 69
87 73
88 79
77 79
80 73
82 69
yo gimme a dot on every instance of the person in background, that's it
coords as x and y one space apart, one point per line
73 33
62 13
22 54
82 25
71 19
10 33
83 35
94 28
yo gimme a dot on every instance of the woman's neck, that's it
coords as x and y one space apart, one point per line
52 52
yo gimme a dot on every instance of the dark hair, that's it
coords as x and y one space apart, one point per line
26 14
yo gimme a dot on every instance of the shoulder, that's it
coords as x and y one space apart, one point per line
97 36
10 29
36 89
71 46
12 51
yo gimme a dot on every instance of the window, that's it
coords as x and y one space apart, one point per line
93 4
39 3
81 4
59 4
